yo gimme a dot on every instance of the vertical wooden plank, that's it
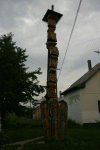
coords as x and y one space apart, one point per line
45 119
63 112
55 119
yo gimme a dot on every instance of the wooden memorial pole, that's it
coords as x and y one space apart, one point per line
50 107
52 17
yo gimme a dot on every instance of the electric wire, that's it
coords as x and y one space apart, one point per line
70 37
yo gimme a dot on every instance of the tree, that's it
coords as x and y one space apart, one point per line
16 83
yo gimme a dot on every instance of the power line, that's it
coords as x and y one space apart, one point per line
70 37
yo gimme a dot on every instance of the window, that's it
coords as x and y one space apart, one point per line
99 106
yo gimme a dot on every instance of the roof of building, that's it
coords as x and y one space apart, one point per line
39 101
80 83
60 99
36 109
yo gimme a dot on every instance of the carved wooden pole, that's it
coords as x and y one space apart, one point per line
52 17
54 114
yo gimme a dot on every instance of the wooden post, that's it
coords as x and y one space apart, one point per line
45 119
52 17
62 115
52 7
55 119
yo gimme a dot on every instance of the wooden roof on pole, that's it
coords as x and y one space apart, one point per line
52 13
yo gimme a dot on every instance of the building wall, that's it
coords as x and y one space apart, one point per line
74 106
89 99
37 114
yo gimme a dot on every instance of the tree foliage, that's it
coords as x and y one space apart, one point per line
16 83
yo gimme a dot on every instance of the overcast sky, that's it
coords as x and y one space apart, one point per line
24 19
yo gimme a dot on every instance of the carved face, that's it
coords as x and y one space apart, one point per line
51 90
52 78
52 37
53 51
51 23
53 61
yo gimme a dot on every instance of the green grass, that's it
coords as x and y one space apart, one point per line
78 137
29 130
24 133
55 145
82 139
10 147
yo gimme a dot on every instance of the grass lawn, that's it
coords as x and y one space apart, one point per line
24 133
78 137
11 147
82 138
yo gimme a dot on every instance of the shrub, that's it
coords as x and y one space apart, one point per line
12 121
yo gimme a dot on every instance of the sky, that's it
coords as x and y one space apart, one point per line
24 19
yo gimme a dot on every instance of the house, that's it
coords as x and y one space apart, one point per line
37 111
38 102
83 97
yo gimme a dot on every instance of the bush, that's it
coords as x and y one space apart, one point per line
12 121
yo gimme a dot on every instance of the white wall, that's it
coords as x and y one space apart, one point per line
89 98
74 106
90 116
